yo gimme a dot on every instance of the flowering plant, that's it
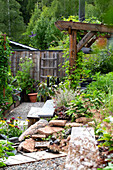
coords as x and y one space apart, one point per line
10 128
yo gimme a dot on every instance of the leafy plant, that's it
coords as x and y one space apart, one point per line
5 151
23 75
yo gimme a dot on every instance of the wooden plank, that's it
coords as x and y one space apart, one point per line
64 25
84 40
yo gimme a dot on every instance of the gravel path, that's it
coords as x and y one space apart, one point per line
23 109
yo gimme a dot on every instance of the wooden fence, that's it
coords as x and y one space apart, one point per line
45 63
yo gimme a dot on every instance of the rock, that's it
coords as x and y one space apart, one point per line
73 124
38 136
2 136
41 144
57 142
13 139
68 132
91 123
27 146
83 120
68 138
57 123
49 130
33 128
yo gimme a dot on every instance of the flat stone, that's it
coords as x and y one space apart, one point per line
33 129
18 159
46 111
73 124
49 130
57 123
83 151
32 157
83 120
38 136
28 145
41 144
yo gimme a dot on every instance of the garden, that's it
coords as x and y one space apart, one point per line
84 96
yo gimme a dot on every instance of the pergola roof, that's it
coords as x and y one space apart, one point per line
64 26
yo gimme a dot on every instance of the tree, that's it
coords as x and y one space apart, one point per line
11 21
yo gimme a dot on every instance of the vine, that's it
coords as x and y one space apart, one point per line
4 60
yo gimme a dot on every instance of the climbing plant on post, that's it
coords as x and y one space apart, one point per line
4 62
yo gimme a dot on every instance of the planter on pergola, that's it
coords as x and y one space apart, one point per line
90 36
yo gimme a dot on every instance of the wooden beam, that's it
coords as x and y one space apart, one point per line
91 42
85 40
73 50
64 25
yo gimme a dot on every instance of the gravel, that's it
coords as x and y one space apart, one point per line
51 164
23 109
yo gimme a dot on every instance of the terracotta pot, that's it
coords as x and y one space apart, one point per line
33 97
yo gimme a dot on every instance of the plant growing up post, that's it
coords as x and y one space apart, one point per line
4 62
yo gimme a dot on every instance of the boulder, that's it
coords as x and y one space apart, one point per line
33 129
57 123
49 130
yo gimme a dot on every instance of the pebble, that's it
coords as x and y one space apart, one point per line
51 164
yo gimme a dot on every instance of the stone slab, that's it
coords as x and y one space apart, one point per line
46 111
47 130
32 157
83 152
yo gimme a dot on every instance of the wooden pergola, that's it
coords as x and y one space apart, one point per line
89 37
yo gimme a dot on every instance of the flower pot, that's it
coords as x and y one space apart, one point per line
33 97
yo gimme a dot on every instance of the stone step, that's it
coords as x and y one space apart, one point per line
46 111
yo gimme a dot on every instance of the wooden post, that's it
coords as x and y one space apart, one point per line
73 50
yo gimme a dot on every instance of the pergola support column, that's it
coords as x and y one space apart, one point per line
73 50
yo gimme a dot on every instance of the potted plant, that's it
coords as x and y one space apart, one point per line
27 84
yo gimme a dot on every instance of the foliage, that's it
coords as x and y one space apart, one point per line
100 60
5 52
11 19
82 105
63 96
5 151
44 91
10 128
23 75
103 83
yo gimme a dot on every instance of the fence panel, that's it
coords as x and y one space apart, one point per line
45 63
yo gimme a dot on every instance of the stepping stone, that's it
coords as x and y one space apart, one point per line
32 157
83 151
46 111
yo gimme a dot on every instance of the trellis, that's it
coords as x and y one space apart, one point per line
90 36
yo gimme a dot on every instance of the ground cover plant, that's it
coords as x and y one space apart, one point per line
10 128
